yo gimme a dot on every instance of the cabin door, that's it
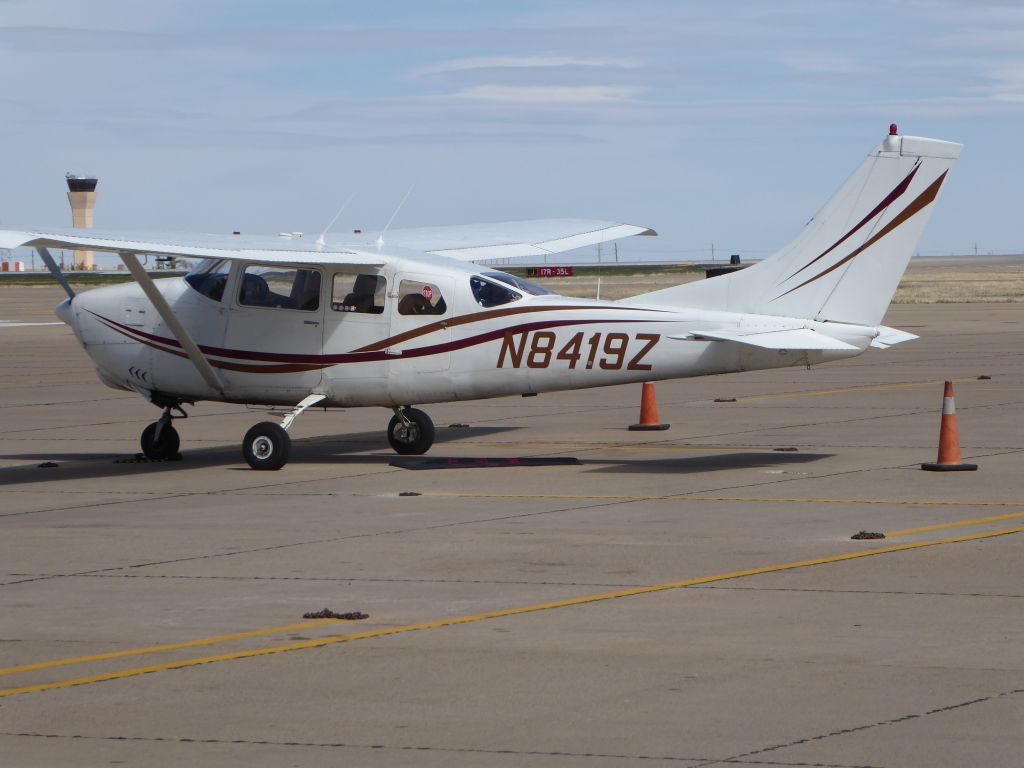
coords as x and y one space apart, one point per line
421 306
273 343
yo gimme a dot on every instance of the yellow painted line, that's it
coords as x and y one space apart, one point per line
739 499
168 647
957 524
325 641
844 390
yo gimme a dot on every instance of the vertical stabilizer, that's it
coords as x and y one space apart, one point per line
847 262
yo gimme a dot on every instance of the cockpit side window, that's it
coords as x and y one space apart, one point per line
358 293
488 294
281 287
420 299
209 277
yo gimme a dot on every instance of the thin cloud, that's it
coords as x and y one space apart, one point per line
824 63
520 62
549 94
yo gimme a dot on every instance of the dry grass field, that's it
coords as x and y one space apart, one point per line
998 279
982 279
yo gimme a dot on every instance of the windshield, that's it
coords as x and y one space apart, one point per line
517 282
209 277
488 294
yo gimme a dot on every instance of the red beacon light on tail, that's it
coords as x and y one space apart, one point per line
892 130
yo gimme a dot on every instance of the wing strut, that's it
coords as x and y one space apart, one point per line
51 265
167 315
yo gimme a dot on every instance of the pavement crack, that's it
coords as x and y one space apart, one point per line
865 727
413 748
371 580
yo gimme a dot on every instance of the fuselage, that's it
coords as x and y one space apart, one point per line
423 332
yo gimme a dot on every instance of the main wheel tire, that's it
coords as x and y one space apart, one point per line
414 439
266 446
164 448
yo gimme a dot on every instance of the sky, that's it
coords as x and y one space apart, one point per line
726 122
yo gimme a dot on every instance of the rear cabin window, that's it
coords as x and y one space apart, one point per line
420 299
358 293
488 294
209 277
280 287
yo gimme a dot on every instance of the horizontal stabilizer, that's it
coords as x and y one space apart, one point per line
787 338
888 337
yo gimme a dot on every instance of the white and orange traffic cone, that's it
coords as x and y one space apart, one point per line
949 439
649 420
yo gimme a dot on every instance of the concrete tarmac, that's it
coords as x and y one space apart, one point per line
689 597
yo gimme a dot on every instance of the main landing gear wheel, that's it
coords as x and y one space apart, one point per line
412 435
164 447
266 446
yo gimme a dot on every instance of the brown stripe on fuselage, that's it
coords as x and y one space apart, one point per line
473 318
915 207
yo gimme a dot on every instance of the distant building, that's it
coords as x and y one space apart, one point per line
82 196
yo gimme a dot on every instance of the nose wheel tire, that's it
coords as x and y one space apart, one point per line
413 438
166 447
266 446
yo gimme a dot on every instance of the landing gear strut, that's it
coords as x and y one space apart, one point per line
160 440
411 432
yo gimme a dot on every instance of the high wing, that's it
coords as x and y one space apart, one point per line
538 237
471 242
203 246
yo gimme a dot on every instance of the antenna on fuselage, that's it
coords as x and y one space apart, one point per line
322 240
380 237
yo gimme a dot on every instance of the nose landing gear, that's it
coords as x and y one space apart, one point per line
160 440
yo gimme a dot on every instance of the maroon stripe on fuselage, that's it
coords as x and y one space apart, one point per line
314 362
370 352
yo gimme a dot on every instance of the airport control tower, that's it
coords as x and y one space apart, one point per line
82 196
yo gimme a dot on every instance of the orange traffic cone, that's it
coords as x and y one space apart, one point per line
649 420
949 439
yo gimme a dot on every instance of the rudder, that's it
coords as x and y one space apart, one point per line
847 262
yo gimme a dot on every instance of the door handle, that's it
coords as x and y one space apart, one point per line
311 322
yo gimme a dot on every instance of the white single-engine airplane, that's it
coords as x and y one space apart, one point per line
278 321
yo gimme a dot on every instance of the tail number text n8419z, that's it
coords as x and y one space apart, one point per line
608 351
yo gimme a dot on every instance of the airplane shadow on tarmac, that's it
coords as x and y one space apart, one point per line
343 449
715 462
369 449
